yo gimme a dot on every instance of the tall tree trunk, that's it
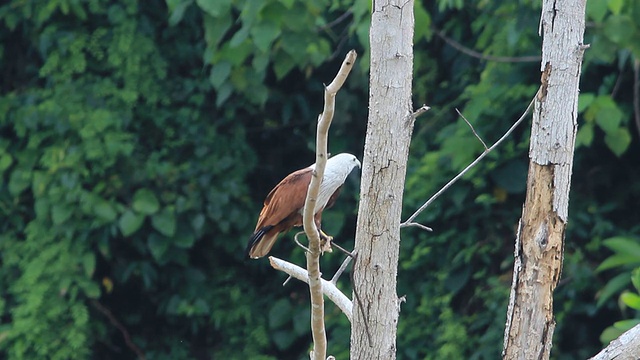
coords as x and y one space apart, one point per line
383 173
540 239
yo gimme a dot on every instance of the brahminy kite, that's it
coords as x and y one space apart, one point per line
284 205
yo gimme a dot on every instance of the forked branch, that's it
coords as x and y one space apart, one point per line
410 221
328 287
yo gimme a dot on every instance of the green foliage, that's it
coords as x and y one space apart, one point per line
626 256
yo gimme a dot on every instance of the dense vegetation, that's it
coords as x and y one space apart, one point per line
138 140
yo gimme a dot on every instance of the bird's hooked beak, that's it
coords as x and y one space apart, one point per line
358 164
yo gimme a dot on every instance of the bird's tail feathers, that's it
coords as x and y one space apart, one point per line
259 244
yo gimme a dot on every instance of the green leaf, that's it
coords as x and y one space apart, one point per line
584 100
619 29
606 114
185 239
105 211
146 202
631 300
220 73
165 222
197 222
625 325
158 245
177 9
617 261
618 141
89 264
635 278
240 36
597 9
624 245
215 8
279 314
19 181
215 29
612 287
585 135
615 6
5 161
60 213
609 334
422 21
130 222
90 288
263 34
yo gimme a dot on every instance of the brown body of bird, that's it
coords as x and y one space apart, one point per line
284 205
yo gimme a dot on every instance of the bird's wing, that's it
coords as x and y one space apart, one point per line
285 199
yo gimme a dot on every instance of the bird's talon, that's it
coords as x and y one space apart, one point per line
325 243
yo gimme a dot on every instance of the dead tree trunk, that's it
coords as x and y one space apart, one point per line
383 172
540 239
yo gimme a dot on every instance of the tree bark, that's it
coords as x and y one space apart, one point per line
540 239
383 173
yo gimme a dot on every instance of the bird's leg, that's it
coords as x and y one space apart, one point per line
325 241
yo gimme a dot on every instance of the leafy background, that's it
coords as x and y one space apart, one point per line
139 139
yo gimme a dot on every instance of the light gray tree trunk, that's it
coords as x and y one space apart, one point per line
383 174
540 239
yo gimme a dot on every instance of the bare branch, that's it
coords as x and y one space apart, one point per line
472 129
411 218
478 55
625 347
408 224
421 110
123 330
310 228
328 288
636 92
295 238
343 267
335 22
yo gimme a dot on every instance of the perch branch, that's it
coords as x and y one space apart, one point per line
328 288
410 220
313 256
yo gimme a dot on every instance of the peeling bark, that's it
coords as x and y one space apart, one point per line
540 239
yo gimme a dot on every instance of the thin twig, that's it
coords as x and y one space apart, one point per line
345 251
472 129
411 218
342 268
335 22
295 238
125 333
636 92
423 227
463 49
